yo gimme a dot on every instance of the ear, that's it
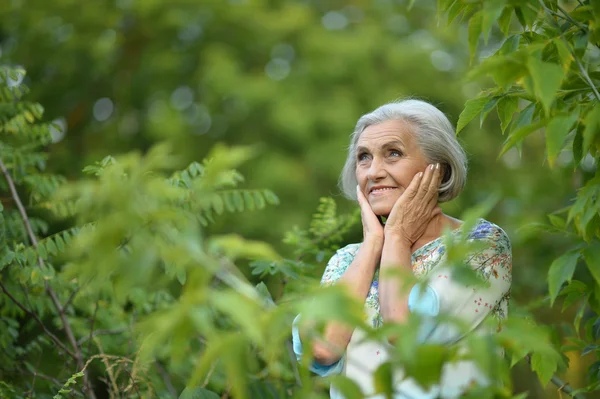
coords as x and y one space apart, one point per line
446 172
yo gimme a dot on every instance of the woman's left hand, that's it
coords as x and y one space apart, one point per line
415 208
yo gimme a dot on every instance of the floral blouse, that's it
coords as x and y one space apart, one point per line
437 294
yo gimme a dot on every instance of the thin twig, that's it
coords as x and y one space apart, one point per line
71 297
39 321
133 381
166 378
92 328
209 374
49 290
48 378
570 19
101 332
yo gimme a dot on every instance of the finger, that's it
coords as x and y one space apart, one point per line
425 183
414 185
434 184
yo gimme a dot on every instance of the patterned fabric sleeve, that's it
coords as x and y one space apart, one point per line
470 304
336 267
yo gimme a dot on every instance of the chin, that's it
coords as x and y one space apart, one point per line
381 210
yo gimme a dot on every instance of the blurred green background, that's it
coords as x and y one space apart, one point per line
291 77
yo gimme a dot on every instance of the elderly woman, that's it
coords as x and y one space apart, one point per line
404 160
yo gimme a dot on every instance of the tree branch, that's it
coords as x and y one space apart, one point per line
39 321
61 311
166 378
582 70
100 332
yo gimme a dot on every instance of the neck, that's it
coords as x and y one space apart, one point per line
435 228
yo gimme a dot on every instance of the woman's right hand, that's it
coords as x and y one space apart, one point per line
372 228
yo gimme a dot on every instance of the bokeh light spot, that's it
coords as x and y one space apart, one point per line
103 109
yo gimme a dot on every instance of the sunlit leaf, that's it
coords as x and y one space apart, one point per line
472 108
547 78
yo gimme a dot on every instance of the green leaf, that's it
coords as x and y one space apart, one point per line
217 203
564 55
41 249
271 198
472 108
383 380
249 200
474 31
491 11
198 393
547 78
506 108
544 366
572 292
592 258
428 363
504 20
51 246
561 270
556 133
347 387
557 221
518 135
578 145
487 109
592 125
238 201
259 200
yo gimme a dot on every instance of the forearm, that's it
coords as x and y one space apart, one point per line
393 295
357 280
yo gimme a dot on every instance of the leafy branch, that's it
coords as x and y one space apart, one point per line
76 350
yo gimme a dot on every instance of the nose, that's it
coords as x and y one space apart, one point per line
377 170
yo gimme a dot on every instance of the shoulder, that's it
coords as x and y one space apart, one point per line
349 250
491 233
339 262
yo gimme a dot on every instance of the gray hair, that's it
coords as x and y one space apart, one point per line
435 135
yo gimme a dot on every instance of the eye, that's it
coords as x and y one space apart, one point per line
395 153
363 156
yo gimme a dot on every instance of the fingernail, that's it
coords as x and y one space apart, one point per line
437 165
431 166
420 174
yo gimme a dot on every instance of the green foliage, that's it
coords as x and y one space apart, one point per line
140 253
546 71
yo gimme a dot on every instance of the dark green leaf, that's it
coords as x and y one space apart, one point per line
198 393
487 109
516 136
474 31
578 145
556 133
592 259
592 126
561 270
506 108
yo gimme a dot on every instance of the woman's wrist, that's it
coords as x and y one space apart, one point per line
397 241
374 240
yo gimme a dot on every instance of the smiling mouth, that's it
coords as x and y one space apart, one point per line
382 190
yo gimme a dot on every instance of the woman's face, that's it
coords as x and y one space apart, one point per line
388 157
